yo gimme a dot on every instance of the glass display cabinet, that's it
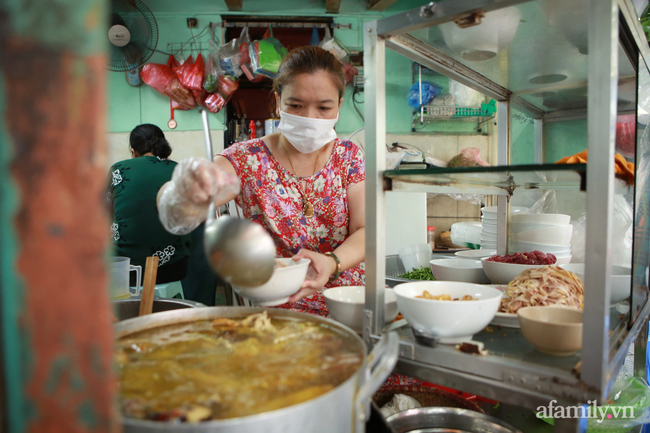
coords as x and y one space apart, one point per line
573 68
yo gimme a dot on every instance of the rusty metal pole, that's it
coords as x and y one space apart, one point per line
55 311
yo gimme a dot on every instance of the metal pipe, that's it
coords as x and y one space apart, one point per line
539 141
601 118
503 158
374 54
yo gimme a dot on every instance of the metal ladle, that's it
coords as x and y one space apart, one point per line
239 251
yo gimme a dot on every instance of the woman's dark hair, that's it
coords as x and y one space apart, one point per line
148 138
309 60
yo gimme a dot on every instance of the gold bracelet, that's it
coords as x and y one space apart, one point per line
338 265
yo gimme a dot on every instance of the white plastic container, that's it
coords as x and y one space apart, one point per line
121 267
415 256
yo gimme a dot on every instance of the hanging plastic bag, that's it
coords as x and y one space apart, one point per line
315 38
214 102
546 204
429 91
464 96
266 56
199 96
227 85
230 58
245 59
190 73
349 72
164 80
334 46
213 70
625 135
157 76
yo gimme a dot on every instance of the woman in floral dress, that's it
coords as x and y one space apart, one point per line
302 184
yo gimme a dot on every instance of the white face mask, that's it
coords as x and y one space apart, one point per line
307 135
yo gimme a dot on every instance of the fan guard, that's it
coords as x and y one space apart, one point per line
142 31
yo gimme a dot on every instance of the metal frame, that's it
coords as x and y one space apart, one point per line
511 381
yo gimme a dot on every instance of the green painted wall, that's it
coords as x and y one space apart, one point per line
129 106
522 138
564 139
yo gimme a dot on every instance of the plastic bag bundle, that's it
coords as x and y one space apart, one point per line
349 72
164 80
627 407
399 403
227 85
464 96
334 46
190 73
266 56
245 58
546 204
429 91
470 157
214 102
230 58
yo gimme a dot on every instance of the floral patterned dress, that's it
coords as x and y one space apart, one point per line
272 197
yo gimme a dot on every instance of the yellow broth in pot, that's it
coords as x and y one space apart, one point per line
227 368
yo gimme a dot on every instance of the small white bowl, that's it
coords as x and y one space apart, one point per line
542 218
284 282
346 305
522 247
489 228
621 280
467 271
563 260
556 235
448 322
503 273
474 254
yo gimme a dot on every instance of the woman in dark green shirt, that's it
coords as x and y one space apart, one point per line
133 185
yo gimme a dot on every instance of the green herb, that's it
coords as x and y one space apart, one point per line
422 273
496 406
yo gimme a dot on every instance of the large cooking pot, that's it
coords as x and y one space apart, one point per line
129 308
341 410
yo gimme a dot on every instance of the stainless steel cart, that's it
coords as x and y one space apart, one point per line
568 60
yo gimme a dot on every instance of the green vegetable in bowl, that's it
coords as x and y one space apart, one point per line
421 273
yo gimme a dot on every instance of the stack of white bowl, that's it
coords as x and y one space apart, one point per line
548 233
489 228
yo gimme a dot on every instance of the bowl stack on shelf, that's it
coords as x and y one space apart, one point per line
489 228
548 233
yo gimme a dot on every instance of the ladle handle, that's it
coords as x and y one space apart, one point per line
210 155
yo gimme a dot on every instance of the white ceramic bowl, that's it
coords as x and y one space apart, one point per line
449 322
474 254
415 256
526 227
563 260
542 218
468 271
489 229
503 273
283 283
346 305
522 247
556 235
621 280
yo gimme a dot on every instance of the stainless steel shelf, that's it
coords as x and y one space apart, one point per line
500 180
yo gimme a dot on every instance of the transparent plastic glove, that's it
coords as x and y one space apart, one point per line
196 182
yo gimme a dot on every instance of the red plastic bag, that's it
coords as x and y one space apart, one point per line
164 80
625 135
199 96
190 73
215 102
227 85
157 76
349 71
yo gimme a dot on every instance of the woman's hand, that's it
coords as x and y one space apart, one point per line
196 182
320 270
